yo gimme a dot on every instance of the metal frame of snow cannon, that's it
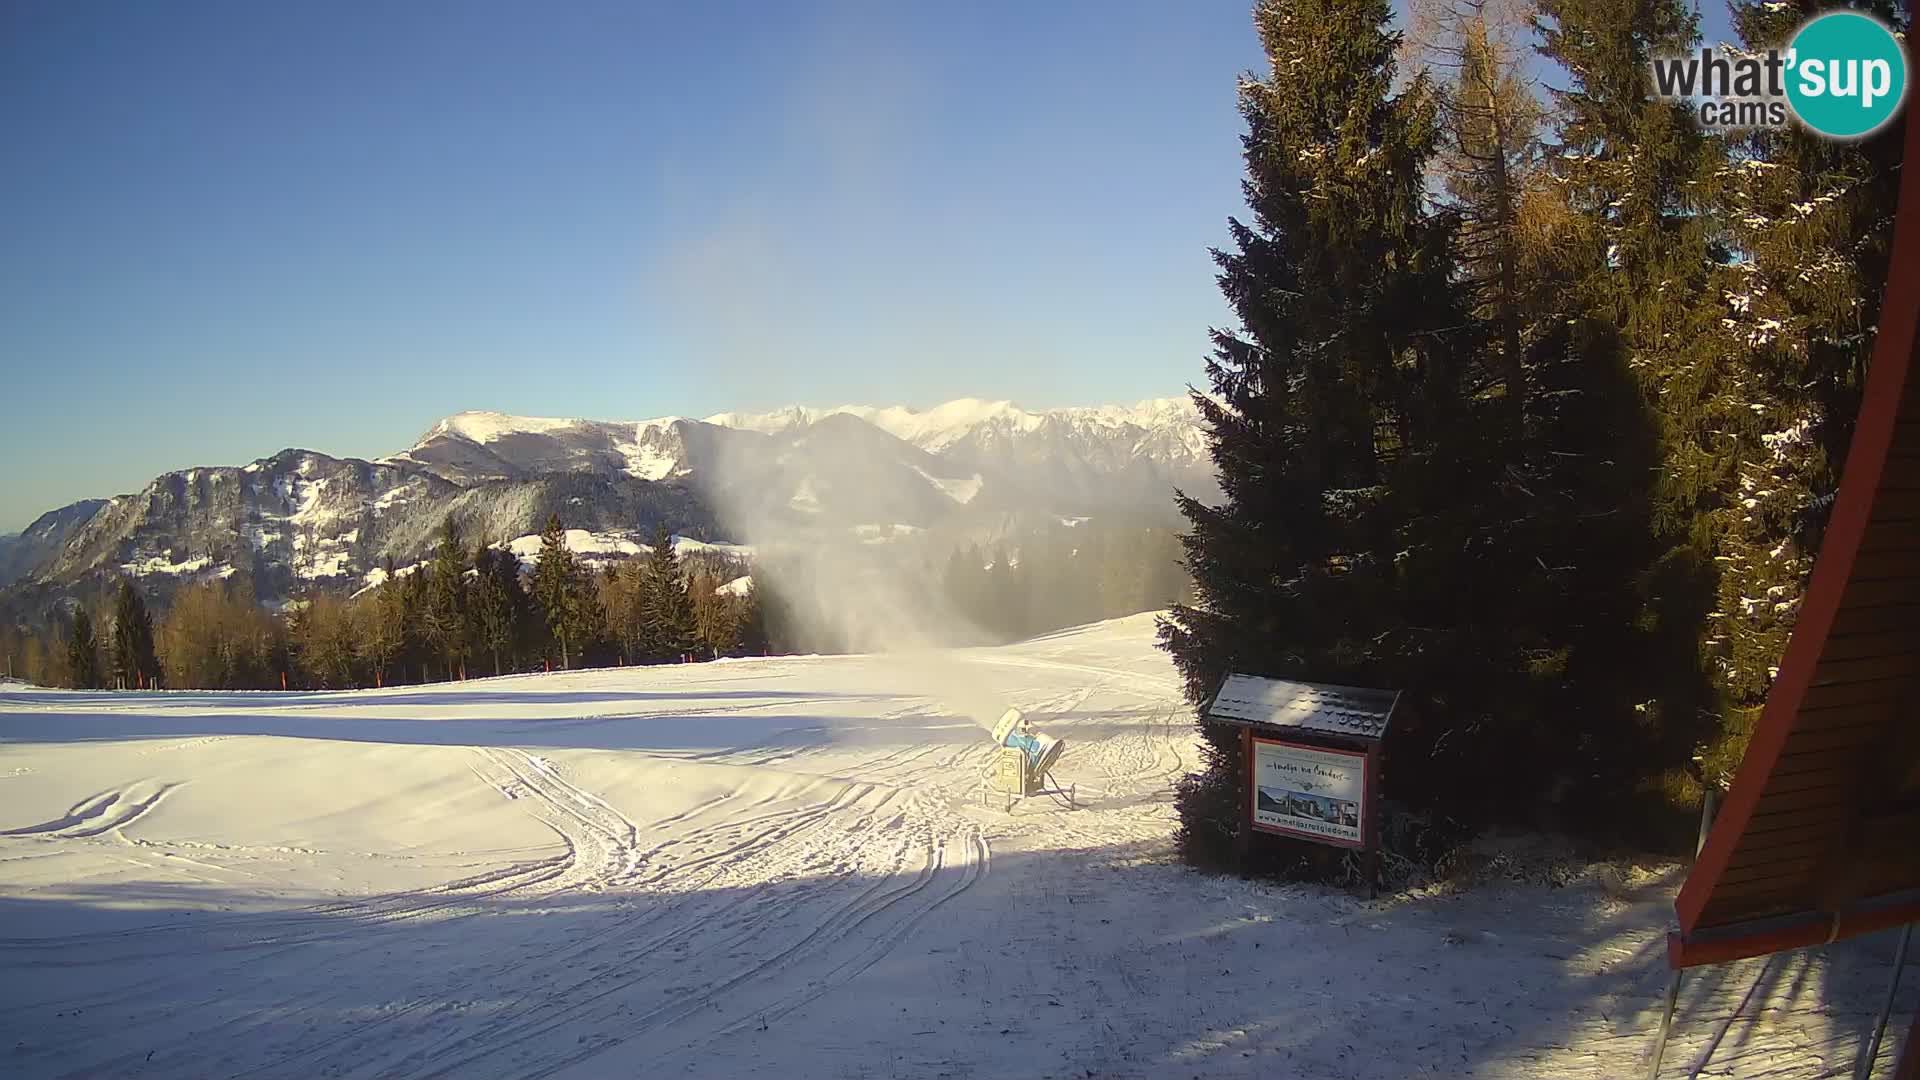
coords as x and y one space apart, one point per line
1017 775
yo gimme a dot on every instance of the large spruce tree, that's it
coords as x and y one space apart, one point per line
133 659
499 604
1642 255
560 588
1560 550
1337 420
1810 221
666 608
447 619
83 653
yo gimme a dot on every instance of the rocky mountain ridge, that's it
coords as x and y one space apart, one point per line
302 519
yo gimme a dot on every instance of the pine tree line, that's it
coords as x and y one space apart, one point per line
1058 576
1534 406
468 610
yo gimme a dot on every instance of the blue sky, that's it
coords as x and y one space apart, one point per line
235 227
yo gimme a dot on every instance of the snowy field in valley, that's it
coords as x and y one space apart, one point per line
780 867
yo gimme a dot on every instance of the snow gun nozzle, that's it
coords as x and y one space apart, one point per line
1010 722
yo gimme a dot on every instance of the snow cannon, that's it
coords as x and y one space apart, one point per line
1023 762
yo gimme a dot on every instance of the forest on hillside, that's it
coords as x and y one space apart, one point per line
473 609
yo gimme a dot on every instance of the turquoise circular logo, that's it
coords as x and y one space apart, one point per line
1847 74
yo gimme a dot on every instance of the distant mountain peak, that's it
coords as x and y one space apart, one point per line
941 425
484 427
300 518
1079 455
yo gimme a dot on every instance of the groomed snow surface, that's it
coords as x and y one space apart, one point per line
778 867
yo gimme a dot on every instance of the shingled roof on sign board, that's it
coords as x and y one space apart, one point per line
1352 711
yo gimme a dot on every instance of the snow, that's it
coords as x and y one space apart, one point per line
618 545
686 545
874 533
647 462
165 564
1763 332
580 542
805 498
632 439
390 496
485 427
937 428
377 576
740 586
927 429
593 547
942 425
324 564
960 491
1782 442
768 423
777 867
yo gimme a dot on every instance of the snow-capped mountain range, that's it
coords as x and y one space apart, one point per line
1073 454
301 518
854 464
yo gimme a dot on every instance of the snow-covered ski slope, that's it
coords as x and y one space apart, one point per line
778 867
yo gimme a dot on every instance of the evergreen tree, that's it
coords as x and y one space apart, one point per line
1166 582
384 625
416 649
1641 257
83 653
1124 576
1811 221
965 586
499 603
668 610
751 636
1003 597
559 587
1335 414
134 662
1084 600
446 621
1549 574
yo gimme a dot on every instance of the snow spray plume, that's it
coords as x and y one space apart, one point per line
825 590
743 265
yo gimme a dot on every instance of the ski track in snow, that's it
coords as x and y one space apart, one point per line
107 812
770 867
